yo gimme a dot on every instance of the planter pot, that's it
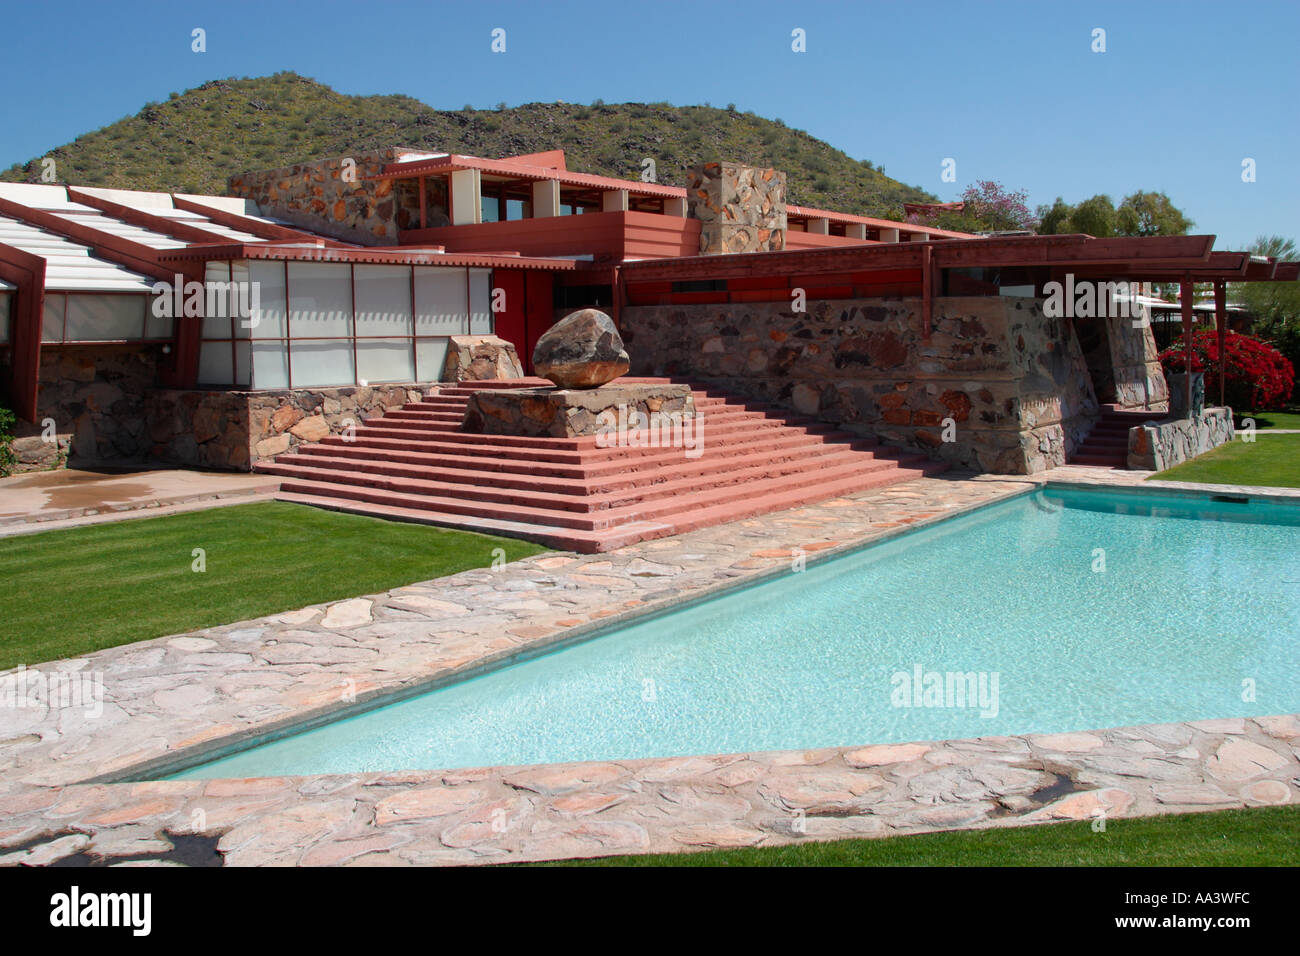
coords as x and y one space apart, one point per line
1178 394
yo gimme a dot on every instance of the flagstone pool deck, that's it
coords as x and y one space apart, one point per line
194 694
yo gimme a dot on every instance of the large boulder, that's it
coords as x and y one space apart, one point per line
582 350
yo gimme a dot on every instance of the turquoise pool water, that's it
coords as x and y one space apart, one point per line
1069 609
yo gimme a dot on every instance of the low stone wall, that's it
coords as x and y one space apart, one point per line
569 412
1157 445
95 397
234 430
998 386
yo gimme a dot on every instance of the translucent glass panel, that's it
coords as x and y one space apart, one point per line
321 363
52 317
440 306
216 317
272 314
4 316
480 301
105 318
320 302
99 318
270 365
157 327
216 364
384 360
429 356
383 296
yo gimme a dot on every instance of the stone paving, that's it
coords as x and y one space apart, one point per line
198 692
41 501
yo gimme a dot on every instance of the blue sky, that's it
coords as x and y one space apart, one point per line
1012 91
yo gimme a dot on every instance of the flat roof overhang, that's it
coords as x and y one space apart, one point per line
523 171
370 255
1150 258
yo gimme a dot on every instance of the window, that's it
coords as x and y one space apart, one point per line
103 317
324 324
4 317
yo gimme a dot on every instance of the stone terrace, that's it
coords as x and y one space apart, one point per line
198 692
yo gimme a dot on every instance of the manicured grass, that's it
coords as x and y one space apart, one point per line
1268 461
1264 836
72 591
1276 419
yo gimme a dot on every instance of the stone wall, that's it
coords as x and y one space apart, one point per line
1157 445
233 430
316 196
741 208
95 396
574 412
1135 364
1012 381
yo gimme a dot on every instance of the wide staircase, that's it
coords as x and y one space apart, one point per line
1107 443
415 464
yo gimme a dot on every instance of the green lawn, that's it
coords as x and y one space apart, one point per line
1269 461
1264 836
72 591
1275 419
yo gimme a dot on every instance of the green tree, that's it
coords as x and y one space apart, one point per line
1150 214
1274 305
1054 220
1095 217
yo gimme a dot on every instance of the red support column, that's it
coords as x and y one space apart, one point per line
1221 325
927 291
27 273
1185 300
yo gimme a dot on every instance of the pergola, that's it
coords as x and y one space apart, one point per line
1038 259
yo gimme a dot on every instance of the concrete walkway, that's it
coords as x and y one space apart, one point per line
40 501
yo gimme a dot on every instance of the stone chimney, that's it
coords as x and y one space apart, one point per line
741 208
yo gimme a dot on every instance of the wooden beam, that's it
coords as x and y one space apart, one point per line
27 273
1185 300
1221 322
927 292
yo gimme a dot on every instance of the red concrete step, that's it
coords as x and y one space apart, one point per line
413 463
676 510
506 462
570 496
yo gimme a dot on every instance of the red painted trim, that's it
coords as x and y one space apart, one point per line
1221 324
27 273
185 232
266 230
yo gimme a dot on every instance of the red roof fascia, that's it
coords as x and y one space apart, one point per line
808 212
389 255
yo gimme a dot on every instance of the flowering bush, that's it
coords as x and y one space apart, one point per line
1256 375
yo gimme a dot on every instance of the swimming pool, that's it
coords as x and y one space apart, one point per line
1063 609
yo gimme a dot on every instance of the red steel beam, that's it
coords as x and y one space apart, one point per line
27 273
1221 322
255 227
1185 300
177 229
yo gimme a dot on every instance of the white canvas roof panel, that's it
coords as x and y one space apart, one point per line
70 266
